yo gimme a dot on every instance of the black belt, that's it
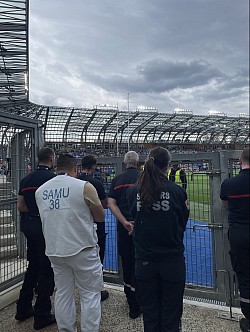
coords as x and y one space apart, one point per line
35 216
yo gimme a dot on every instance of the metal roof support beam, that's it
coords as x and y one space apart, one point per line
85 128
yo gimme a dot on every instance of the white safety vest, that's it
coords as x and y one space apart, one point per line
67 222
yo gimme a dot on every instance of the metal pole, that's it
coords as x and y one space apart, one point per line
128 123
117 129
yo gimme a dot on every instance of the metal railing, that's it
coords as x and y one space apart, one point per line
209 274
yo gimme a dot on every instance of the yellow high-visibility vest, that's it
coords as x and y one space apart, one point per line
177 176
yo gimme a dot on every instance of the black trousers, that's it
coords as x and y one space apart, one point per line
159 289
39 273
101 234
240 259
127 252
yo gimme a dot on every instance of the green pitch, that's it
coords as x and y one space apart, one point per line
198 191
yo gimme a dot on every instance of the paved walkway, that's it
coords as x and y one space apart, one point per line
115 318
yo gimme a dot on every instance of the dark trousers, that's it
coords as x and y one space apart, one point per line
127 252
39 273
159 289
101 234
240 259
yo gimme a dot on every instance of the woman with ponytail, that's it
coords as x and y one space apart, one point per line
160 212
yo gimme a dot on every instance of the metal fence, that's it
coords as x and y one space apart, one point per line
209 274
19 141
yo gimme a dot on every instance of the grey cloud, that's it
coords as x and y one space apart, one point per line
171 75
160 76
164 52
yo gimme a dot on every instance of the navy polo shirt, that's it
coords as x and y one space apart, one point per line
118 188
30 183
101 194
236 191
96 183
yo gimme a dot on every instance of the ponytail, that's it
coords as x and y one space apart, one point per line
152 180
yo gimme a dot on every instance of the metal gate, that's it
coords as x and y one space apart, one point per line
19 139
209 273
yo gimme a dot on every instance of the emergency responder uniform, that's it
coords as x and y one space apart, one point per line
71 245
159 257
178 176
117 191
236 191
39 273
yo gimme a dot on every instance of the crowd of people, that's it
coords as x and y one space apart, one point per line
62 217
113 152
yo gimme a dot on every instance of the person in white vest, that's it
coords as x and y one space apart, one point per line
68 208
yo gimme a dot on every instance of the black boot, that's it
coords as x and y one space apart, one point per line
104 295
244 325
42 321
23 311
134 311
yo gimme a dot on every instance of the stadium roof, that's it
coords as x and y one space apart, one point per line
65 124
101 123
13 52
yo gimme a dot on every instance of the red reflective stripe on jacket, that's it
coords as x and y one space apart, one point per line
29 188
123 186
239 196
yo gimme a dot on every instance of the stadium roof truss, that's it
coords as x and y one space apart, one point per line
79 125
99 124
13 52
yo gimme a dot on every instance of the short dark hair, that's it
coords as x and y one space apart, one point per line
45 154
66 162
88 161
245 155
174 164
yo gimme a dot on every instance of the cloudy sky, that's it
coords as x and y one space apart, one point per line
189 54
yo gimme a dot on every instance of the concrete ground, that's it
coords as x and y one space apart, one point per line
115 318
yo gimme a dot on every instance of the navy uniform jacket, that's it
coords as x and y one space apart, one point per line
236 191
158 232
117 191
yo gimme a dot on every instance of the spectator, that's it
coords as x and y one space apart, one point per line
235 196
119 207
160 212
88 169
39 272
68 209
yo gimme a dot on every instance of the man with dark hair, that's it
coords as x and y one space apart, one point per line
177 175
68 209
235 196
39 273
88 169
117 203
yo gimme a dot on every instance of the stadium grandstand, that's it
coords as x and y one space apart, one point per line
109 130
